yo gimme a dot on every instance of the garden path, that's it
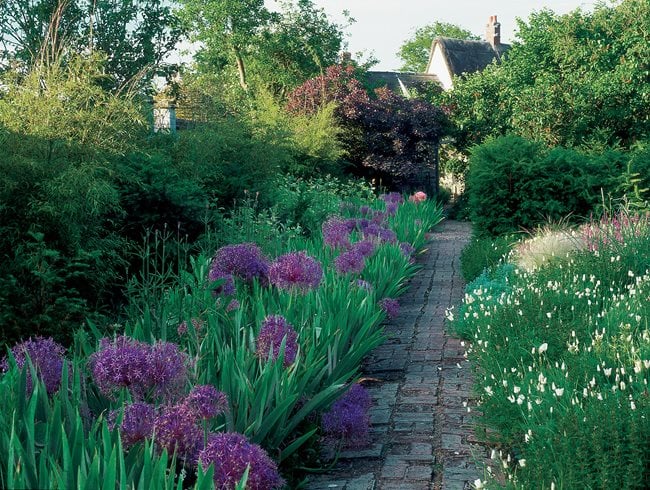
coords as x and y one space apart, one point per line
420 382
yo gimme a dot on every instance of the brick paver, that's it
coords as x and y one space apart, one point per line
420 383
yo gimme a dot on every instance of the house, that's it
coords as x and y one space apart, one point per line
454 57
401 83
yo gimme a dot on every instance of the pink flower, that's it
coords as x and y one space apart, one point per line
419 196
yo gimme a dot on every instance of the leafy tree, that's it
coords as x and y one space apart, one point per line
60 133
579 79
134 35
273 51
415 51
297 46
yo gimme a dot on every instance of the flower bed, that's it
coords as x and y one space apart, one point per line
226 375
562 352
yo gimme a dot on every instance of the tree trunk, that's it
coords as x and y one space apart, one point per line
241 69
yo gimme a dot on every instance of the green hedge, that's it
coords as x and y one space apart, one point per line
514 183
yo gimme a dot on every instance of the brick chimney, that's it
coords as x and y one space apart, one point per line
493 32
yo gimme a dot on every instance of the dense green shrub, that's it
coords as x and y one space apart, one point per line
483 253
514 183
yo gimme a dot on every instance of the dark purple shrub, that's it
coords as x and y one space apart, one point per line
351 261
295 270
348 418
390 306
274 329
336 233
47 357
230 454
137 422
244 260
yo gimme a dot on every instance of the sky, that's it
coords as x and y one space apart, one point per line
383 25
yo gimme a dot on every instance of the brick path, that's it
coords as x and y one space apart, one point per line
421 432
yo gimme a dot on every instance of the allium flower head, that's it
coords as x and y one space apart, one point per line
196 324
295 270
137 422
360 283
351 261
348 418
167 369
407 249
390 306
391 208
233 305
227 287
274 329
46 355
140 367
206 402
244 260
176 428
375 232
351 224
392 197
336 233
364 247
231 454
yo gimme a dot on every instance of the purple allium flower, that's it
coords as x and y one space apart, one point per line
390 306
243 260
233 305
227 287
376 232
274 329
348 418
392 197
360 283
336 233
122 362
139 367
351 261
137 422
295 270
176 428
231 453
351 224
206 402
364 247
379 218
167 369
391 208
407 249
46 355
196 323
